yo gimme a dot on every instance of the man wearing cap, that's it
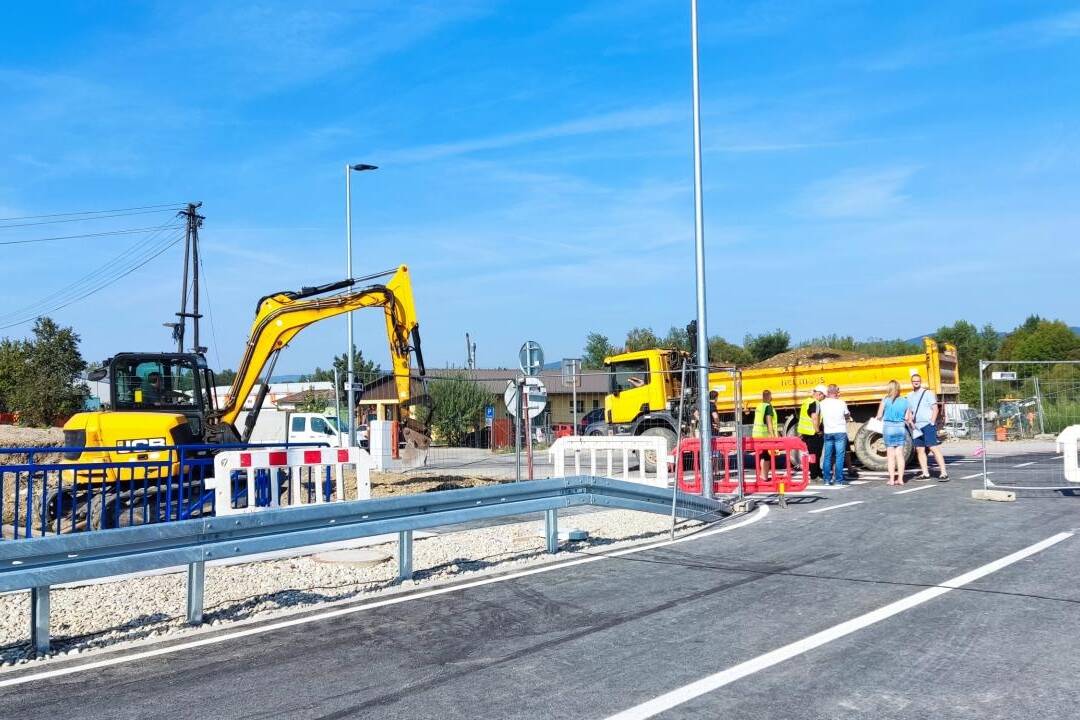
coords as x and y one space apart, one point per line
810 428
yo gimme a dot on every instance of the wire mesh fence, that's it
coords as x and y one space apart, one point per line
1025 411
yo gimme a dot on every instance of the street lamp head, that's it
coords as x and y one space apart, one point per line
361 167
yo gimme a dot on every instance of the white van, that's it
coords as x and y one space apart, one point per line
276 426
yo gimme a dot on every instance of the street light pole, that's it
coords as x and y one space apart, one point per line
704 406
350 361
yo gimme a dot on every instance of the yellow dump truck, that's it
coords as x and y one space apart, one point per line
645 389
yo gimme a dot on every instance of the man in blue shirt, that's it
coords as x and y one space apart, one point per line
922 416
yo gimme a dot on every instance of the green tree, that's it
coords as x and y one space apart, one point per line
1047 340
13 358
225 377
459 407
311 403
723 352
764 346
676 339
597 347
641 339
972 344
49 384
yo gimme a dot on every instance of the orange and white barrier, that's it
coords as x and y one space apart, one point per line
305 472
781 476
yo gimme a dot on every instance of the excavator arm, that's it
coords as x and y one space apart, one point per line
280 316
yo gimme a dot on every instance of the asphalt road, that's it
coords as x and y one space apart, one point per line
594 639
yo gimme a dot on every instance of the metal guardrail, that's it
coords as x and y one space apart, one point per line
38 563
157 484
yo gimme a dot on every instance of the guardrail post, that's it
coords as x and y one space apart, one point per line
551 530
404 559
39 619
196 579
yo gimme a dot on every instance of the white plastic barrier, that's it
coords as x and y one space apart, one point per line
294 461
382 443
610 445
1067 443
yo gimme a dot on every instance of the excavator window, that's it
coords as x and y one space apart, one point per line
145 384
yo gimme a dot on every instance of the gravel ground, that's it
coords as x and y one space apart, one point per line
96 616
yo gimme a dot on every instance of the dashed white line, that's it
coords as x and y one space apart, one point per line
978 474
835 507
858 482
914 489
718 680
1024 464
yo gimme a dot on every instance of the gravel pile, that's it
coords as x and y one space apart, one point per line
14 436
96 616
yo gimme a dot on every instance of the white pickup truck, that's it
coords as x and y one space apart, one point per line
277 426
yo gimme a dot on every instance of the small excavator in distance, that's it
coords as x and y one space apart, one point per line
167 399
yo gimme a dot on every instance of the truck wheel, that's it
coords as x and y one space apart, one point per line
649 457
870 449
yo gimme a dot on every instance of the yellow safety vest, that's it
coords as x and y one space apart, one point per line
761 428
806 423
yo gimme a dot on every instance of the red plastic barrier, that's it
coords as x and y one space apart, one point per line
725 469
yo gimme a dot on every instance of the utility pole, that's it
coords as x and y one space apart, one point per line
191 259
470 353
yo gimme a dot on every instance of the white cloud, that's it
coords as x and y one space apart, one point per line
618 121
856 194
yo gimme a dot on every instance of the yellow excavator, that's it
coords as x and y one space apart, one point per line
160 400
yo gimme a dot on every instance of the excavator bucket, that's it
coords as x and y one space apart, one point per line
416 430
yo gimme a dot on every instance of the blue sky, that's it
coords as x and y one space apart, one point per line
874 169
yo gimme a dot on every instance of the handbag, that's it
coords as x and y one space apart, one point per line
875 425
915 432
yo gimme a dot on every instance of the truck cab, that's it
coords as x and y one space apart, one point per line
644 388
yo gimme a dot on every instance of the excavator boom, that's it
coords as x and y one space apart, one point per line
280 316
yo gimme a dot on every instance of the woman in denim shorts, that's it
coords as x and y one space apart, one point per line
891 412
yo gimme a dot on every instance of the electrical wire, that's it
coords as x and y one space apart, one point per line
94 212
75 287
129 231
87 219
74 293
210 311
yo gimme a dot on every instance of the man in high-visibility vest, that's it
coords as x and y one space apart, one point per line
764 427
810 428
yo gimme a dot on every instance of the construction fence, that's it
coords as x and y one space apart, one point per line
1027 424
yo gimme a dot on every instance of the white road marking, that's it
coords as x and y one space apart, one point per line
834 507
826 487
761 662
858 482
755 516
914 489
1024 464
978 474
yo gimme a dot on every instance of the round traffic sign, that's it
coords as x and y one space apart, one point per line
535 397
531 358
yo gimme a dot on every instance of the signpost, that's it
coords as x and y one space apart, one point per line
489 415
526 398
1001 375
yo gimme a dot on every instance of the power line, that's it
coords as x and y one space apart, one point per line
87 219
109 267
121 262
92 212
210 312
99 287
130 231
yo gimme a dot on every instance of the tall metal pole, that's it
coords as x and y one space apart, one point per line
337 405
195 279
704 409
983 364
350 369
178 330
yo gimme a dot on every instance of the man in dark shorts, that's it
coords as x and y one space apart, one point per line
922 416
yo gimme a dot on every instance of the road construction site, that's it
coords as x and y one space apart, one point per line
862 601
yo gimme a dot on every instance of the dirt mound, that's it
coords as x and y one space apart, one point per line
13 436
810 355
